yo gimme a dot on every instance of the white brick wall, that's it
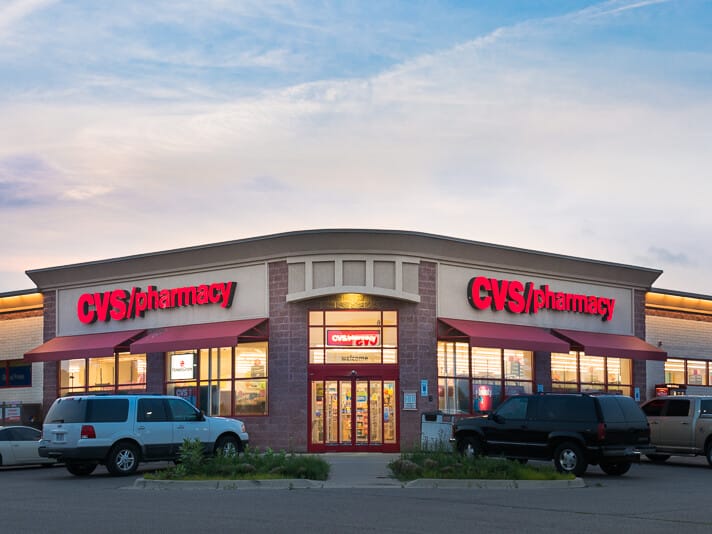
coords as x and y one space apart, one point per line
681 338
18 336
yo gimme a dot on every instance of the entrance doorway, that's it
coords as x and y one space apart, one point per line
353 414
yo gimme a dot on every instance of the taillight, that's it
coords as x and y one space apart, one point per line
601 434
87 432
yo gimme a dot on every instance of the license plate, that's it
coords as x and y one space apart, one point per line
59 437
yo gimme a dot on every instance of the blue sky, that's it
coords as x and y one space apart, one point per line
573 127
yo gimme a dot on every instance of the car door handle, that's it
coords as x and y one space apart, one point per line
141 427
180 426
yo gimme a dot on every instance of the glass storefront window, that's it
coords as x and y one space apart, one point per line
477 379
353 337
688 372
593 369
577 371
564 367
696 373
111 374
486 363
231 381
101 374
675 371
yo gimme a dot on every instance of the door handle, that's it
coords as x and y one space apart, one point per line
141 427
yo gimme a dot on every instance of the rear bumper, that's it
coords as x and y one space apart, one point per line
95 454
630 454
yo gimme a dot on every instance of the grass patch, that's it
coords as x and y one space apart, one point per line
447 464
249 465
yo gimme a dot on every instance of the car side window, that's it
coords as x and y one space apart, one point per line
25 434
678 408
654 408
5 435
514 408
151 410
706 407
182 411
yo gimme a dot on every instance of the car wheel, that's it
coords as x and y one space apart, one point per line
123 459
569 458
81 469
616 469
469 446
657 458
708 453
228 446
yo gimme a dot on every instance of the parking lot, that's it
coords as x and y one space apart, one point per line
650 498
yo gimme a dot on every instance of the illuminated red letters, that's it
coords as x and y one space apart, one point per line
516 297
121 304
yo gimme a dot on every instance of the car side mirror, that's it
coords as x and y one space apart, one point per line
497 418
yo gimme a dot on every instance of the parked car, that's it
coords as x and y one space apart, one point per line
574 430
19 446
680 426
120 431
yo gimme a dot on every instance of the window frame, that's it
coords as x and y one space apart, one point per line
496 385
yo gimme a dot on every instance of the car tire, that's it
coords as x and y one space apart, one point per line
469 446
569 458
616 469
657 458
228 446
81 469
708 453
123 459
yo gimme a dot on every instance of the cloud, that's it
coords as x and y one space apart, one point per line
14 11
669 258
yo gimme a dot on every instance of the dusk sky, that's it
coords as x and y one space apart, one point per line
580 128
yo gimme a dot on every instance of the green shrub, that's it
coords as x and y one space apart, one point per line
446 464
251 464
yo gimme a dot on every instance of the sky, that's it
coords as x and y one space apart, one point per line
581 128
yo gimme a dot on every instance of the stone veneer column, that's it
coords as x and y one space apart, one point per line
286 426
50 370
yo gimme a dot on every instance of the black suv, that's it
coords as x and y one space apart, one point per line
573 429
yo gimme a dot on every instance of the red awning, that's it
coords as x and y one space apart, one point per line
507 336
86 346
195 336
613 345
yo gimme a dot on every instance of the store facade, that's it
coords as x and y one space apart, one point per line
339 340
681 324
21 384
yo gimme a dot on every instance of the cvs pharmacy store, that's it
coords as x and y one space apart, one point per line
340 340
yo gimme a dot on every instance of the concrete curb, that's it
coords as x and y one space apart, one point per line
290 484
143 483
447 483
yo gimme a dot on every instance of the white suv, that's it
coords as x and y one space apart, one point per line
120 431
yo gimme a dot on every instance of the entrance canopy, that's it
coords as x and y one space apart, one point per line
197 336
86 346
507 336
613 345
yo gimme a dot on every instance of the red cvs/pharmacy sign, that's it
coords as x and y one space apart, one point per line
123 304
515 296
353 338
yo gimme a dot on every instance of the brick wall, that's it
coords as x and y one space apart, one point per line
51 369
287 425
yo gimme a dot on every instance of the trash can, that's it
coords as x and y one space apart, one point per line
435 431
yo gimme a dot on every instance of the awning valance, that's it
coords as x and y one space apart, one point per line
85 346
197 336
507 336
613 345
